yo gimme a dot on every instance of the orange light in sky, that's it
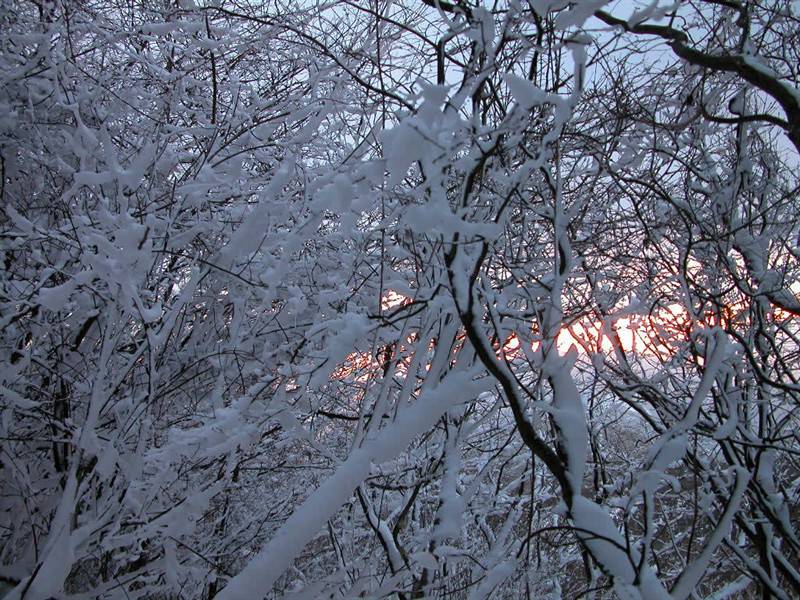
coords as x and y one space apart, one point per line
654 335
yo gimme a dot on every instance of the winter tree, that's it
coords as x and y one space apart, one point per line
399 299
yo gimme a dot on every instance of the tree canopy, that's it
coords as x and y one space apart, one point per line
399 299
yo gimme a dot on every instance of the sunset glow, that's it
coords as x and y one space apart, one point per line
648 336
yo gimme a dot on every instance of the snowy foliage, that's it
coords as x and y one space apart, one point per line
399 299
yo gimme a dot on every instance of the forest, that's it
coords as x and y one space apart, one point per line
452 299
